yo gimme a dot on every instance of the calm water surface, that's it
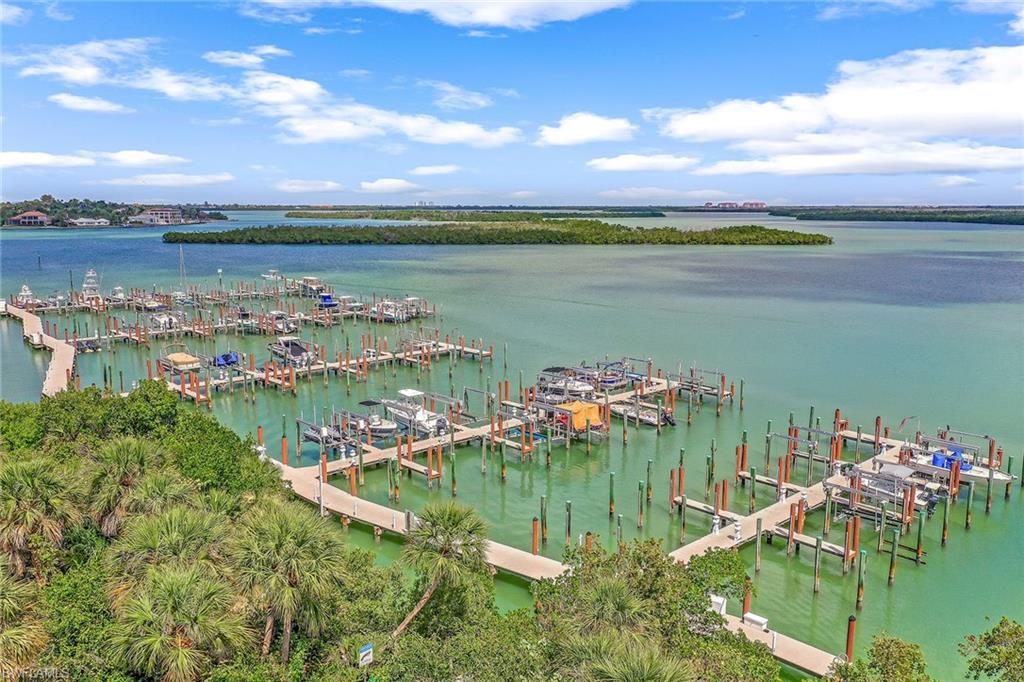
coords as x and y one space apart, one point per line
897 319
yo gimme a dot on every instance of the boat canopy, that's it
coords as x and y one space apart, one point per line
581 413
369 403
182 359
410 393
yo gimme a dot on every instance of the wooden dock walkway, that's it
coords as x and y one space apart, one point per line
62 359
304 483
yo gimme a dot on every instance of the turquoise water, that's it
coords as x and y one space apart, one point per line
898 319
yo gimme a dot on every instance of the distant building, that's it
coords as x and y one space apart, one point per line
89 222
709 204
754 204
30 219
727 204
158 216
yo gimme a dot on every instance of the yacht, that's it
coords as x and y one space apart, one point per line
389 311
26 298
555 382
410 414
117 296
91 285
293 351
272 275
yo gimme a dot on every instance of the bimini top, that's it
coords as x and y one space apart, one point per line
410 393
369 403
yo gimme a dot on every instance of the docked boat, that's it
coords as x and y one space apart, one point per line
411 415
557 384
117 296
939 463
181 298
232 358
293 351
272 275
282 323
327 302
379 426
57 300
26 298
648 416
91 286
350 304
389 311
164 322
176 358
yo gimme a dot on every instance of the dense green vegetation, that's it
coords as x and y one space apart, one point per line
142 540
958 214
61 211
465 216
537 231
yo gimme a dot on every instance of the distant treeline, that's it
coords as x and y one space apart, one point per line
61 211
456 215
994 215
569 231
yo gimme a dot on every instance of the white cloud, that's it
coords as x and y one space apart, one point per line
1013 7
916 111
319 31
356 74
354 121
283 94
54 12
95 104
136 158
42 159
243 60
523 194
300 186
218 122
386 186
81 63
514 14
840 9
583 127
662 193
178 86
11 15
738 14
171 180
444 169
450 96
479 33
955 181
642 162
905 157
253 59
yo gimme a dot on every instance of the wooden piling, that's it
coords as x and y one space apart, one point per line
851 634
893 554
535 540
862 557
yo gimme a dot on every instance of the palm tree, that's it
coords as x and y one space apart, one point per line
639 664
448 544
21 635
178 624
611 605
35 502
288 560
159 491
607 657
179 537
121 465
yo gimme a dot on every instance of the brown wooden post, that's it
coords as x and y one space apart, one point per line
535 540
851 633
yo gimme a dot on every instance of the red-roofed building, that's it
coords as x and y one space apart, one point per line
30 219
754 204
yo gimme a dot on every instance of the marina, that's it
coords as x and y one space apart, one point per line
513 529
565 404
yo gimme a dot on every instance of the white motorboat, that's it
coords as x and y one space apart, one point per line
282 323
91 285
293 351
379 426
648 416
26 298
389 311
164 322
272 275
117 296
939 463
410 414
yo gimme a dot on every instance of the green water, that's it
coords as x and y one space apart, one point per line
923 320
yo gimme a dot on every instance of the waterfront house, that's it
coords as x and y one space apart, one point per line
30 219
89 222
158 216
727 204
754 204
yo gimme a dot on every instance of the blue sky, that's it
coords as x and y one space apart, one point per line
541 102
